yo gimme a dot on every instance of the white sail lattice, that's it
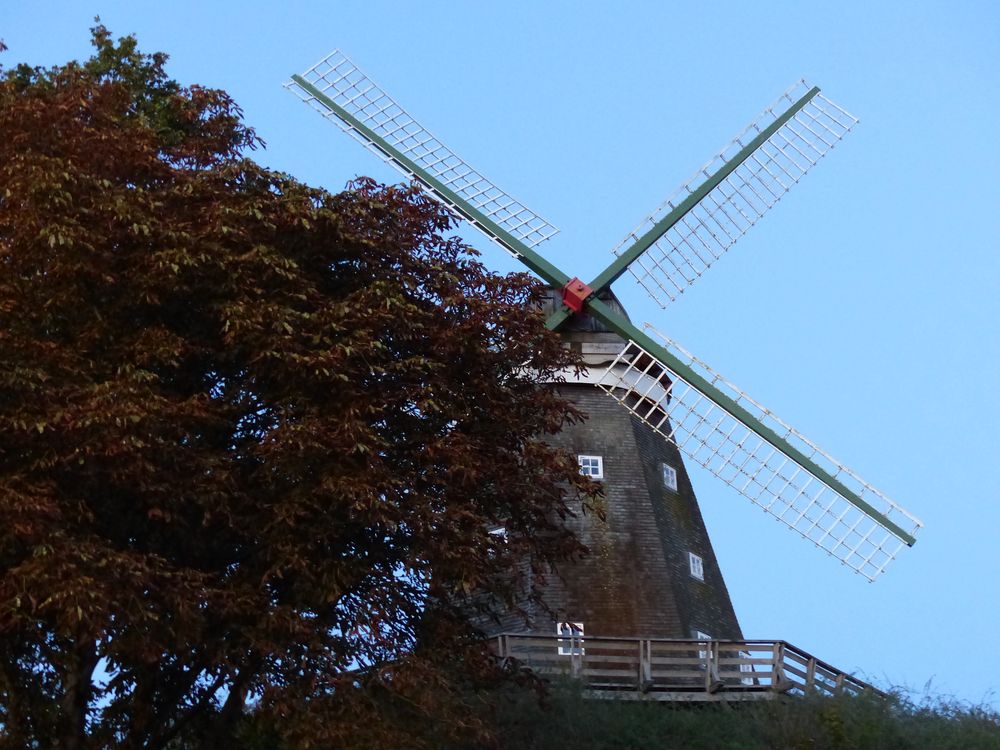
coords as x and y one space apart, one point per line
685 251
339 79
726 445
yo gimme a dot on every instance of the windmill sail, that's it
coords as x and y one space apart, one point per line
760 456
337 89
805 125
679 397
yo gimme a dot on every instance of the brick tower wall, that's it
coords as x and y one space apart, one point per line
637 578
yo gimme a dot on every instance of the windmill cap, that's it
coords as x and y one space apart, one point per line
552 302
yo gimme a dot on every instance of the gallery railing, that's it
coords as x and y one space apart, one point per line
681 669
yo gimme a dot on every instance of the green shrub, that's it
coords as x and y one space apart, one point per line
567 719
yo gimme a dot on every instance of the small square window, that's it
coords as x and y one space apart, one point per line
697 566
591 466
573 634
747 669
700 636
670 477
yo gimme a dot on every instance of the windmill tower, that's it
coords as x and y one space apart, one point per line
652 571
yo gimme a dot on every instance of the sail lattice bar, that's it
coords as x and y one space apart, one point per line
857 531
346 86
703 234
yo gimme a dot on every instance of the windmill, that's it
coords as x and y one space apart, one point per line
652 570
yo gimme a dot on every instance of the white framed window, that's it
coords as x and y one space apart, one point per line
670 477
591 466
570 641
700 636
697 566
746 669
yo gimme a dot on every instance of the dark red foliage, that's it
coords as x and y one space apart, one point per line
252 434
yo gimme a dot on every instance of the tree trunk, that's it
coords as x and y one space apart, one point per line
78 688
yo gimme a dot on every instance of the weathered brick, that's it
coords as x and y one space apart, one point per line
636 581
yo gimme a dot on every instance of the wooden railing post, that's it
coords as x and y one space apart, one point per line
779 683
715 683
648 673
811 674
641 667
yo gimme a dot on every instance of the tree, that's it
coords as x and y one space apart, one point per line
253 435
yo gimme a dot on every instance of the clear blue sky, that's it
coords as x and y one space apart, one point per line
863 309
